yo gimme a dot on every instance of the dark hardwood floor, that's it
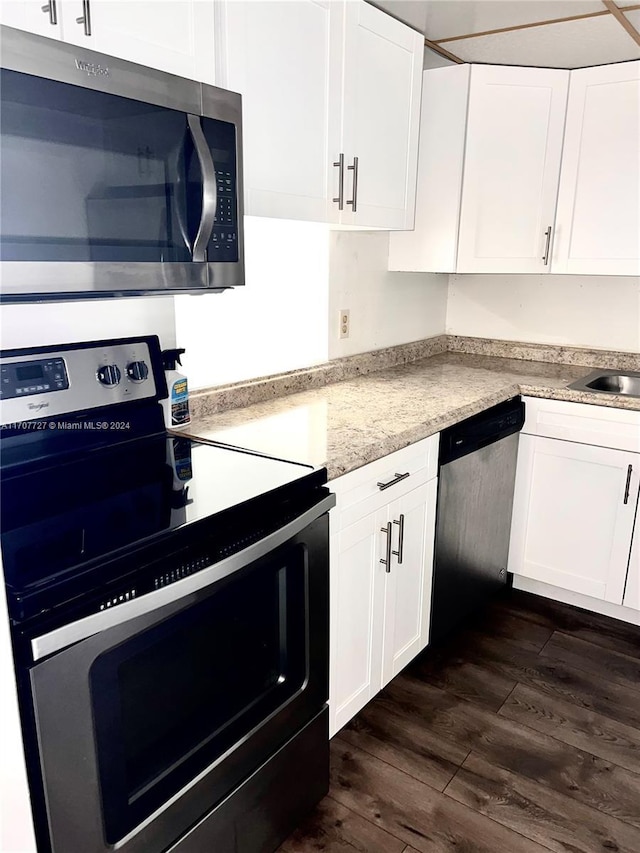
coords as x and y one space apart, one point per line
521 735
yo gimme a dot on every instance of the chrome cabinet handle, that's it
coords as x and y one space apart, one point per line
545 257
209 189
354 168
52 9
397 479
86 17
387 563
628 485
339 164
400 550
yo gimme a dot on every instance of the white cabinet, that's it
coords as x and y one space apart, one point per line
598 217
632 589
512 166
573 517
488 170
577 487
380 118
321 79
285 60
35 16
380 610
357 611
407 592
176 36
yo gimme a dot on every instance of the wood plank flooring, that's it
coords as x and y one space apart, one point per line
521 735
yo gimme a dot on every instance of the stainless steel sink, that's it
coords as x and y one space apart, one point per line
626 383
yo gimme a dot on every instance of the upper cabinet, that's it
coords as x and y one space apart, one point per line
331 94
486 201
511 168
382 79
284 58
41 18
177 37
598 217
489 162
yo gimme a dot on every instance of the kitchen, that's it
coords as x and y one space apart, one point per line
412 299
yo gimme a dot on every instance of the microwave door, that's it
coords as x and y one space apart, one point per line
97 177
151 205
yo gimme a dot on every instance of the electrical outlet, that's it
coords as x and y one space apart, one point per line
344 323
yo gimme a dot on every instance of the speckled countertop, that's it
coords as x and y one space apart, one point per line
350 423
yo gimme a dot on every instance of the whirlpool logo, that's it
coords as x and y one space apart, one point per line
37 407
92 69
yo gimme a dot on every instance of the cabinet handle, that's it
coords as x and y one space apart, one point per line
628 486
387 563
86 17
397 479
354 168
339 164
52 9
545 257
400 550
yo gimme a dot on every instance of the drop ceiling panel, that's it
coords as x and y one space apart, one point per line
441 19
573 44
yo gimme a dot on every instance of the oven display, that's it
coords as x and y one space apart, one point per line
22 378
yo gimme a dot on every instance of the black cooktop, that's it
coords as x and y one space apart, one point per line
96 505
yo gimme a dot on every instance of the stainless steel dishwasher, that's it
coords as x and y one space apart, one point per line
475 500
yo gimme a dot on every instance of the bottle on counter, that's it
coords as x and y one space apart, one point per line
176 406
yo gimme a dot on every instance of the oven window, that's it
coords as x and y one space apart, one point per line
170 701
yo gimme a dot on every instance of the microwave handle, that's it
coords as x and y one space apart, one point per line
209 189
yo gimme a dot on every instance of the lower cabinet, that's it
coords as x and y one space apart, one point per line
632 588
574 510
381 573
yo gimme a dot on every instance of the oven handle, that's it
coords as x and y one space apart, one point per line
67 635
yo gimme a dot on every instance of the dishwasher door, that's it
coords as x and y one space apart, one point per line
475 501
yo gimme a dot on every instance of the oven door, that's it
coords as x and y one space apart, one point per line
145 725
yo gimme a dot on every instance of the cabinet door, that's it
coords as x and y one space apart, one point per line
598 218
512 166
632 587
285 60
573 515
29 15
408 585
177 37
381 114
357 611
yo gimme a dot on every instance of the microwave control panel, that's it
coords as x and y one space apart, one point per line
223 245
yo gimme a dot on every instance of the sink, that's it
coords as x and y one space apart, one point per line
626 383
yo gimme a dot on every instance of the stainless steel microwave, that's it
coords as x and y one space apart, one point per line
116 179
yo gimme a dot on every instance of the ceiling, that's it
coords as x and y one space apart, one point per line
543 33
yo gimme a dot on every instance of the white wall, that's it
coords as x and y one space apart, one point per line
601 312
277 322
386 308
59 322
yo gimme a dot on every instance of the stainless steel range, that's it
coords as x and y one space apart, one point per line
169 614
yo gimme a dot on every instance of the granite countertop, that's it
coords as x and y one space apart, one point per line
347 424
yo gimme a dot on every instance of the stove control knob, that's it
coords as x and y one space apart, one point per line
109 375
137 371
